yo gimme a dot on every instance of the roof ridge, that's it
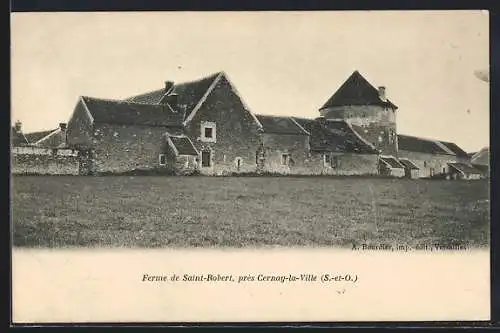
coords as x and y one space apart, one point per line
143 93
205 77
175 84
122 101
418 137
41 131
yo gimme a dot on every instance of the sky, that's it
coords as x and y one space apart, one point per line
282 63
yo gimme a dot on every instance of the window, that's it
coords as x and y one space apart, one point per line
392 136
208 131
425 164
431 172
206 159
238 162
284 159
163 159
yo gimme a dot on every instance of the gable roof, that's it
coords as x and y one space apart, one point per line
17 138
356 90
420 145
408 164
335 136
482 157
34 137
392 162
464 168
182 144
454 148
127 113
280 125
189 94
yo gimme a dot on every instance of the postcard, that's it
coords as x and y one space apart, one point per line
259 166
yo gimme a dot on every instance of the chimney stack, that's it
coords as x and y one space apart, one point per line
168 86
381 93
17 126
62 126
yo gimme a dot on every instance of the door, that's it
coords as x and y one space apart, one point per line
205 159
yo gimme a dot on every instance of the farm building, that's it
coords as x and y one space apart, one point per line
481 161
204 126
411 170
55 138
336 149
463 171
42 153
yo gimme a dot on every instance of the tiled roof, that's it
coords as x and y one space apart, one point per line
17 138
335 136
183 145
280 125
467 169
36 136
393 162
127 113
189 94
415 144
408 164
459 152
356 90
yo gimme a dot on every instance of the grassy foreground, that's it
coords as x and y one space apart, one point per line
126 211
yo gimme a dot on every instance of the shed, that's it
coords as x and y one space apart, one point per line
390 166
463 171
411 170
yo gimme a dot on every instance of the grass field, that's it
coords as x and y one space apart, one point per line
62 211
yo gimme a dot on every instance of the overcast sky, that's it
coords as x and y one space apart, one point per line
284 63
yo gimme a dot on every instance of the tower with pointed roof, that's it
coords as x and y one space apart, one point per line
368 111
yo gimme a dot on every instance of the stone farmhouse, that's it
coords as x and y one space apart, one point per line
204 126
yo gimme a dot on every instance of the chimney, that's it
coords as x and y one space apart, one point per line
17 126
62 126
168 86
381 93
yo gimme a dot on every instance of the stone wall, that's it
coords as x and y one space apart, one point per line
237 134
123 148
374 123
295 147
346 165
428 162
44 161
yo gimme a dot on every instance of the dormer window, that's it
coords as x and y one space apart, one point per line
208 131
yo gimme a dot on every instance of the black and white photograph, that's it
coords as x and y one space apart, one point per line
358 132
